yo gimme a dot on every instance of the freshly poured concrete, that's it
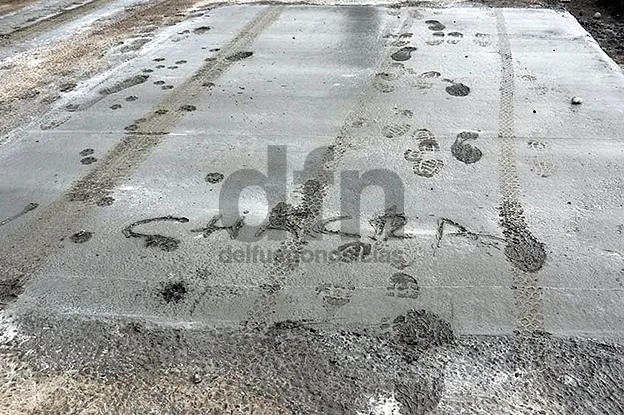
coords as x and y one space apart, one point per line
323 77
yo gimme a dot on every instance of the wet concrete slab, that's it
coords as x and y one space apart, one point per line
426 121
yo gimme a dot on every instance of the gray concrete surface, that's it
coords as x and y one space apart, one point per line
512 224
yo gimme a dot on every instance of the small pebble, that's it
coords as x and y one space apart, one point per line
196 378
577 101
597 15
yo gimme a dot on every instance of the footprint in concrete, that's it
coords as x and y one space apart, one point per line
159 60
165 87
424 80
335 295
214 50
404 113
181 62
483 39
71 107
160 66
457 89
403 54
161 112
173 291
387 224
384 81
403 286
437 39
67 87
214 178
187 108
454 38
115 106
466 152
537 145
418 331
395 130
543 165
353 251
208 84
81 237
435 25
399 43
159 82
147 70
425 163
201 30
173 67
126 83
239 56
131 127
88 160
131 98
87 152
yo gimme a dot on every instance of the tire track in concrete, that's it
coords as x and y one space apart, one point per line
21 254
50 23
286 259
523 250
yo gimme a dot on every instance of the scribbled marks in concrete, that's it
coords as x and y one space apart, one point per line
212 227
403 286
403 54
388 224
424 157
395 130
457 89
126 83
483 39
173 291
81 237
28 208
201 30
420 330
214 178
434 25
353 251
335 295
164 243
240 55
464 151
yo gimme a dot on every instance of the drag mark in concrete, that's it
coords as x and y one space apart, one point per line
466 152
263 310
463 232
320 228
28 208
387 224
125 84
526 254
165 243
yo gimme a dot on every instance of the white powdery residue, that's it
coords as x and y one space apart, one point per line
383 405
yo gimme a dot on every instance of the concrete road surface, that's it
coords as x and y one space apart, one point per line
304 209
